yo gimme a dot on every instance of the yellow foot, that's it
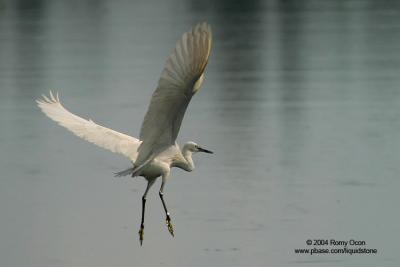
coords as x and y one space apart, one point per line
141 234
169 225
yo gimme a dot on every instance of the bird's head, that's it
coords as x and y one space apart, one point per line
193 147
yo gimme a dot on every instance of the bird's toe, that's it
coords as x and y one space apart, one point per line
169 225
141 234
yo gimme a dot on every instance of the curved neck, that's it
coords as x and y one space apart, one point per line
187 154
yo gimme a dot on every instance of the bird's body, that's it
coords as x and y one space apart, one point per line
156 151
170 157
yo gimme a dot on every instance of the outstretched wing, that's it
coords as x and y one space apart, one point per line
106 138
180 80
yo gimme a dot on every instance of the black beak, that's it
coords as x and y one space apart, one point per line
205 150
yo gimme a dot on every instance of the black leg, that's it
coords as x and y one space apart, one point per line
141 230
168 220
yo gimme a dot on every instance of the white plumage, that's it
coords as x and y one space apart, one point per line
87 129
156 151
180 80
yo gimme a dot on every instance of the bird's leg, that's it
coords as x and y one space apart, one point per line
168 219
141 230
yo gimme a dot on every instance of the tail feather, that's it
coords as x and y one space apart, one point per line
124 172
135 170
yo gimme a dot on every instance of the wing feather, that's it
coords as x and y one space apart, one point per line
180 80
86 129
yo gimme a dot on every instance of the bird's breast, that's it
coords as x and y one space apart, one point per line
155 169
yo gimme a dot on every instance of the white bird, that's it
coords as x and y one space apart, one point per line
156 150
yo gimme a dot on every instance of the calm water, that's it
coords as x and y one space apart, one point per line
301 105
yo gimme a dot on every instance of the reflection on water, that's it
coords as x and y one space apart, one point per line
300 105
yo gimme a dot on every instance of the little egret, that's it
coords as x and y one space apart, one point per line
156 150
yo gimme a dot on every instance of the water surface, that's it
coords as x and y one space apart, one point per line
300 105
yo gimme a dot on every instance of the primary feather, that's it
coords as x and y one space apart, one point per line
99 135
180 80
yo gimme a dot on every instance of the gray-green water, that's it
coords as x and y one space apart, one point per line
301 105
